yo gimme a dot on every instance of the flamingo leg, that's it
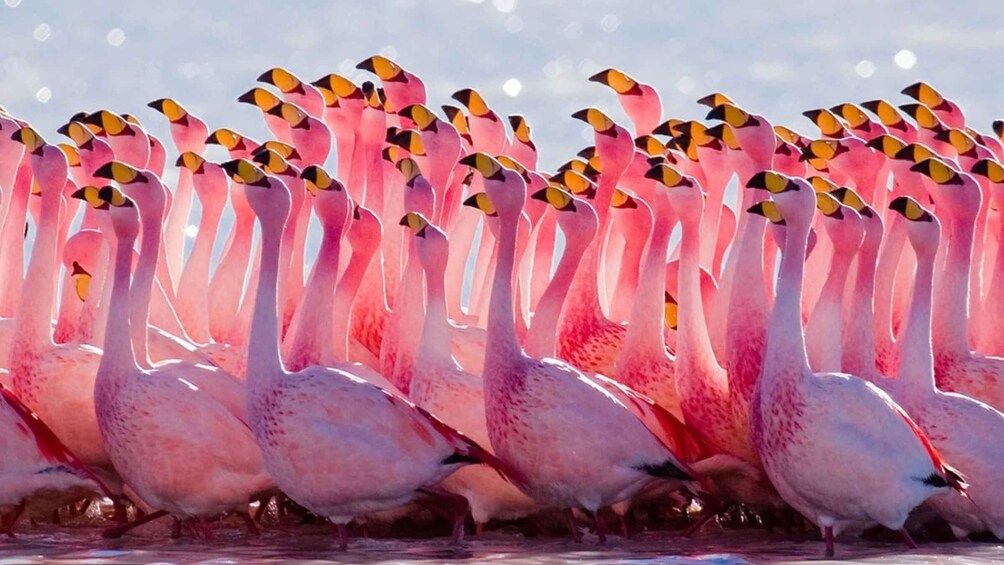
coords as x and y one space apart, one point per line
907 539
828 538
120 530
601 527
576 534
7 525
251 525
343 537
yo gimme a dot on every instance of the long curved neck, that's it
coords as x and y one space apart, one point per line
645 328
193 285
312 332
142 284
693 345
35 312
118 355
785 352
859 333
952 309
345 293
501 346
916 364
826 321
542 338
12 242
434 347
264 362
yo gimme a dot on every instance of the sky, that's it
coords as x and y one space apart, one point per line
533 58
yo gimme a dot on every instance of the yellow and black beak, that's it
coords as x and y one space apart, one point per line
714 100
732 115
937 171
854 116
771 181
926 95
670 127
81 281
89 194
623 200
558 198
671 312
910 209
888 145
409 140
998 127
408 168
291 113
822 184
829 206
282 79
245 172
520 129
650 146
422 116
768 209
618 80
415 222
457 117
31 139
923 115
228 138
340 86
474 103
915 152
827 122
272 161
848 197
824 149
482 202
110 123
175 113
120 173
576 182
260 98
381 66
597 119
484 164
792 136
191 161
961 141
285 150
990 169
668 176
114 197
887 114
72 155
318 179
725 134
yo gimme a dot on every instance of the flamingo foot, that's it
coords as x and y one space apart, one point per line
343 537
120 530
601 527
7 522
576 534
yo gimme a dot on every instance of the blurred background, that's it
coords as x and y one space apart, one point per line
529 57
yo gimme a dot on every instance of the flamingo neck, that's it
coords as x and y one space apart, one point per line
434 347
408 311
826 320
693 345
12 250
859 335
345 293
312 332
151 216
501 347
645 329
916 364
34 315
785 355
542 338
952 308
118 356
264 363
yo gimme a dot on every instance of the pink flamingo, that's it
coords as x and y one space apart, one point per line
403 88
84 255
988 340
641 101
304 95
487 129
207 461
239 146
265 101
525 428
952 421
388 450
947 110
804 421
439 385
859 124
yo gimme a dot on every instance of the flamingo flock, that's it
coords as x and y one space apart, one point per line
483 338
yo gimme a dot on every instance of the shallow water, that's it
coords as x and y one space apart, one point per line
314 544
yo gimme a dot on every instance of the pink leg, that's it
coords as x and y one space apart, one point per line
343 537
7 526
601 527
828 538
625 533
576 535
250 523
120 530
479 529
176 529
907 539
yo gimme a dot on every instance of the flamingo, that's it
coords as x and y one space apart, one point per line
83 255
947 110
954 422
805 421
294 90
641 101
205 460
403 88
530 401
334 443
987 340
439 385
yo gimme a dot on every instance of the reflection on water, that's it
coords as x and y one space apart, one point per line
314 544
